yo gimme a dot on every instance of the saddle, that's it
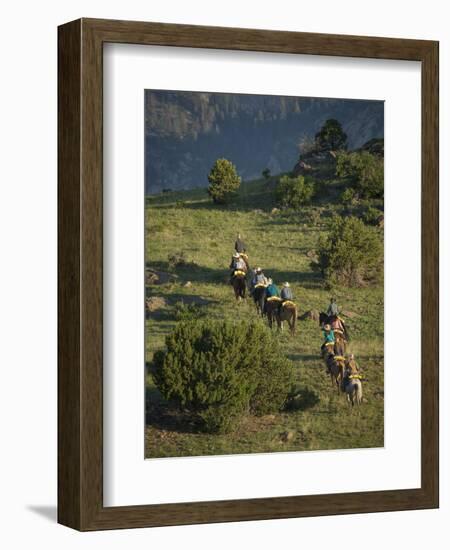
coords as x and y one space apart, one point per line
274 299
288 303
239 273
260 285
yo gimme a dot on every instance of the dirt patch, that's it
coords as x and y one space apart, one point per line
190 300
312 315
153 277
154 303
350 314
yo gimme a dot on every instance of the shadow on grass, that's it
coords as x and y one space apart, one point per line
169 419
192 272
159 414
177 298
247 204
307 279
302 400
305 357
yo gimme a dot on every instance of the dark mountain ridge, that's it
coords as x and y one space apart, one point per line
185 132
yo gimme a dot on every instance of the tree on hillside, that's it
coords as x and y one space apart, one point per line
352 253
294 192
331 136
266 173
223 181
221 371
365 172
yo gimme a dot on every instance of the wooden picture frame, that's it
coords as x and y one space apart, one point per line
80 272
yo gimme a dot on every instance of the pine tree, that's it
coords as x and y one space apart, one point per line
331 136
224 181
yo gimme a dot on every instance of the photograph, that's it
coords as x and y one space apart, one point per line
264 262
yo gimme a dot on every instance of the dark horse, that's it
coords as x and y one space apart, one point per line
259 295
239 286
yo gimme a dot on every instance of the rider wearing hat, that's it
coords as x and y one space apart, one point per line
239 245
259 277
272 289
351 364
328 335
237 263
333 310
286 292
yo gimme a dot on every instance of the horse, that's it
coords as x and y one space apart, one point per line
339 343
336 368
337 347
323 319
271 307
327 349
239 286
259 295
352 386
287 312
336 323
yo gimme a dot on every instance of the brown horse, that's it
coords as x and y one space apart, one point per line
326 350
239 285
339 343
336 369
287 312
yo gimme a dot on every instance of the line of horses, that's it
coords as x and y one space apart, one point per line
273 307
343 376
333 354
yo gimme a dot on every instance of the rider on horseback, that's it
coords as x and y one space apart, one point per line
328 334
351 371
333 310
258 279
327 347
286 292
329 340
337 324
272 289
351 365
237 264
239 245
272 293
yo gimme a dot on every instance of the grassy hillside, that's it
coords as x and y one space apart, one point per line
278 241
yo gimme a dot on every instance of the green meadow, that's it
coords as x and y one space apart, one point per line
282 242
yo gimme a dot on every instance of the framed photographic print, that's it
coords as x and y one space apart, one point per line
248 274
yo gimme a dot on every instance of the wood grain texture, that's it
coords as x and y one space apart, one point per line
69 246
80 399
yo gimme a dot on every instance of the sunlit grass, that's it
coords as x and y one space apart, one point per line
279 243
